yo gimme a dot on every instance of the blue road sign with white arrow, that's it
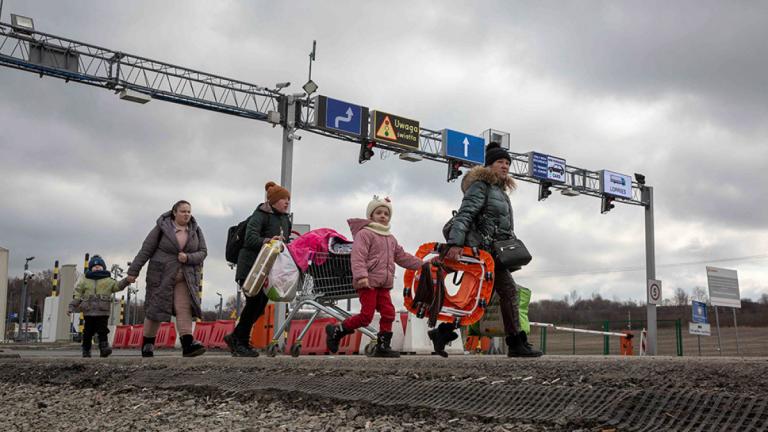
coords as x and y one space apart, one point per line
339 116
465 147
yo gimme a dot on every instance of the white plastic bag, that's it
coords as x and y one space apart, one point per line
283 279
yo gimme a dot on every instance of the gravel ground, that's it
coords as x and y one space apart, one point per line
29 407
345 393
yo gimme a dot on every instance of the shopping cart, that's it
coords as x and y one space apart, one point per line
328 279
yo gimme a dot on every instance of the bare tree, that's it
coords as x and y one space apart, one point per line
680 298
700 294
574 297
764 298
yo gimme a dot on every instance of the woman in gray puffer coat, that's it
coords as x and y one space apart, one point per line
175 249
485 217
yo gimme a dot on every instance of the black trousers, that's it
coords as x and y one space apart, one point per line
254 308
95 325
506 289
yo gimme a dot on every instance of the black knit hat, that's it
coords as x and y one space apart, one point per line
494 152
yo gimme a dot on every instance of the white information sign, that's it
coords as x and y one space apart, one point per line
723 287
613 183
654 291
699 329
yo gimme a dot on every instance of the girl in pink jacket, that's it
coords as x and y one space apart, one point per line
374 254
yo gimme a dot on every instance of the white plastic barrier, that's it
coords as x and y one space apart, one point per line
417 341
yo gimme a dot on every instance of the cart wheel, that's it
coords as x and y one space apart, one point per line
370 348
295 350
272 349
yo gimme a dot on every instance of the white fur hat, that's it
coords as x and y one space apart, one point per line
375 203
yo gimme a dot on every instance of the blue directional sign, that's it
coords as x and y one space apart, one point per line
339 116
546 167
465 147
699 310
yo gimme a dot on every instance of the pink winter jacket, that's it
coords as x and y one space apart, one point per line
374 256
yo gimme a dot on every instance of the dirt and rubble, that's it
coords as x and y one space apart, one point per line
466 393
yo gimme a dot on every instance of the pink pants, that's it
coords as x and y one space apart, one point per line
182 306
372 300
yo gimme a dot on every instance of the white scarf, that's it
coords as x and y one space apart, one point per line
378 228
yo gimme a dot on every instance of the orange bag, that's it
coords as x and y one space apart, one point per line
468 304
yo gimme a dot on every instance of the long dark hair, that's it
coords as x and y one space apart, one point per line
176 206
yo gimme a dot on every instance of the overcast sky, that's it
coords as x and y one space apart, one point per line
676 91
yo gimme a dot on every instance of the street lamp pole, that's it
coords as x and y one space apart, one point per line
23 311
221 303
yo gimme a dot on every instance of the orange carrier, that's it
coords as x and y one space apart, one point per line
468 304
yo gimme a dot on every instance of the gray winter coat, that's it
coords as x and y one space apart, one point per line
485 215
161 249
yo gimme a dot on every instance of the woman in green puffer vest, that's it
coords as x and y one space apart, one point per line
93 297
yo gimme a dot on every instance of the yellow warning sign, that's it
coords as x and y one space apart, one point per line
394 129
386 130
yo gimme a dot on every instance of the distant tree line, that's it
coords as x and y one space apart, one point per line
594 311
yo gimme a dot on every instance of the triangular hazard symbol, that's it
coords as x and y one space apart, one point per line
386 130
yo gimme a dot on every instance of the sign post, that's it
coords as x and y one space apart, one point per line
699 322
724 291
654 299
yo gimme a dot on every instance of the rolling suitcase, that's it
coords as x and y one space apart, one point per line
258 275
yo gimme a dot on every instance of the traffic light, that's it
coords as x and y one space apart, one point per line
607 204
454 170
366 151
544 191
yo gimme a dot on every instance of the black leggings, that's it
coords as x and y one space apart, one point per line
254 308
95 325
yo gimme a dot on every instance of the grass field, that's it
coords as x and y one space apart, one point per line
753 341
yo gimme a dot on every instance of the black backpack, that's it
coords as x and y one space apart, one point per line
235 240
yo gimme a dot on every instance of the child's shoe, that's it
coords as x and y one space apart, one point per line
148 347
383 346
334 334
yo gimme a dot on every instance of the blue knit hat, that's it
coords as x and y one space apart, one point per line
97 260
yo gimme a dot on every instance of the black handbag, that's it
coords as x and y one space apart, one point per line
511 254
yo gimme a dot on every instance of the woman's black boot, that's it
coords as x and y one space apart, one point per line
191 347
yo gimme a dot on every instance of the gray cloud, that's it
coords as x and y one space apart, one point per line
676 92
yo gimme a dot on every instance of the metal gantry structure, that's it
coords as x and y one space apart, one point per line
142 79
